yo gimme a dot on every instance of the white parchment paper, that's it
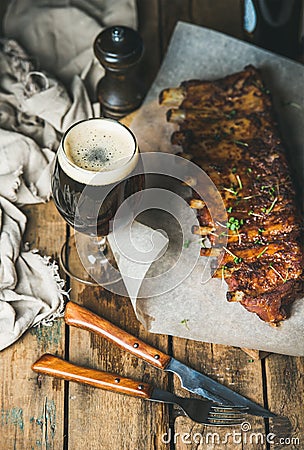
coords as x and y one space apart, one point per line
193 309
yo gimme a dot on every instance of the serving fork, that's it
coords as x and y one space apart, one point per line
202 411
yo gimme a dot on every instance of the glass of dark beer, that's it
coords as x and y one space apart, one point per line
97 168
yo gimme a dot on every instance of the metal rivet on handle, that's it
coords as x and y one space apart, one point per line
140 387
156 356
135 345
117 380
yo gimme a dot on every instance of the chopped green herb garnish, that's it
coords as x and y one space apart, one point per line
231 114
203 243
234 169
261 230
223 273
263 251
234 224
239 182
267 211
240 142
231 190
261 87
230 253
237 260
258 241
229 210
250 360
185 322
186 243
294 104
249 170
278 273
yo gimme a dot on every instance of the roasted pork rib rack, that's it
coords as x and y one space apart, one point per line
228 128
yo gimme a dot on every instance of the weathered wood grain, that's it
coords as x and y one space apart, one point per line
113 421
285 386
31 411
149 29
170 13
218 15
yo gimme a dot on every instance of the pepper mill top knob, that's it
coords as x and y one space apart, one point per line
118 47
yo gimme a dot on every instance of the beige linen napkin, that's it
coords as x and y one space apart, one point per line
34 110
60 33
31 290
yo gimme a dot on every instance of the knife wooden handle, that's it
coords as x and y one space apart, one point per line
58 368
80 317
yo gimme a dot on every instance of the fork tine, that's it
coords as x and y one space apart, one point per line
233 408
219 416
226 413
228 419
223 423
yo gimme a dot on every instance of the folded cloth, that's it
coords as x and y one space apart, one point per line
34 111
31 290
59 34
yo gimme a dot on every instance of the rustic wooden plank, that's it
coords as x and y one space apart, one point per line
255 354
285 387
31 412
229 366
148 27
170 13
113 421
218 15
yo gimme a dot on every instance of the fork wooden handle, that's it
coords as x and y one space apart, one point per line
58 368
80 317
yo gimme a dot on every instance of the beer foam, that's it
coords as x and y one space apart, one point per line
98 152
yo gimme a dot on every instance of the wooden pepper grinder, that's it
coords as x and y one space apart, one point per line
119 50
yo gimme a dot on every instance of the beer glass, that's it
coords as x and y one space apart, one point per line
96 169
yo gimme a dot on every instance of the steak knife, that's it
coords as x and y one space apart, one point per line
192 380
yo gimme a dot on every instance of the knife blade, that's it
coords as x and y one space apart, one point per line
192 380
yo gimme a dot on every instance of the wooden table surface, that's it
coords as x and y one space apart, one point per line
50 414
